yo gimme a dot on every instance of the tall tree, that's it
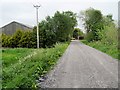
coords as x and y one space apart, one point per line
58 28
110 33
93 22
65 23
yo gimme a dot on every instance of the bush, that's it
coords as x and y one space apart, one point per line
5 40
16 37
89 36
111 35
24 39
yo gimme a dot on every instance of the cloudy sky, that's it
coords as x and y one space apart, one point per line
23 11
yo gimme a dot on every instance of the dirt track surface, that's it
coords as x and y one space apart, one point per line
83 67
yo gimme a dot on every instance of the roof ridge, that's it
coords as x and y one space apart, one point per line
18 23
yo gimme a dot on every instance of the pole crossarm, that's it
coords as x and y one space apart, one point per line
37 6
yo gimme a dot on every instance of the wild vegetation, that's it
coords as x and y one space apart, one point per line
101 32
23 72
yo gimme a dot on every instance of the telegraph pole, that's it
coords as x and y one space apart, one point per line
37 7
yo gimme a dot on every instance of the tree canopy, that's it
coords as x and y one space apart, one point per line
58 28
93 23
98 27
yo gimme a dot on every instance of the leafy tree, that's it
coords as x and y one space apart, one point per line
93 22
110 32
65 23
58 28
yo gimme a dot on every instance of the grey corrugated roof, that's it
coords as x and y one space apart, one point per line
12 27
28 26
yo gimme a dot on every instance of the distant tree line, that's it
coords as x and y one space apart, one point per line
99 27
58 28
61 28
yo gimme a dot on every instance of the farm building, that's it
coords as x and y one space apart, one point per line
11 28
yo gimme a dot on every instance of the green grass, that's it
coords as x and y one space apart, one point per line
110 49
11 56
25 74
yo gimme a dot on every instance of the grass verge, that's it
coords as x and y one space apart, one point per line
110 49
25 73
11 56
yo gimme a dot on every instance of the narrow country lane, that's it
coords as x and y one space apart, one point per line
83 67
